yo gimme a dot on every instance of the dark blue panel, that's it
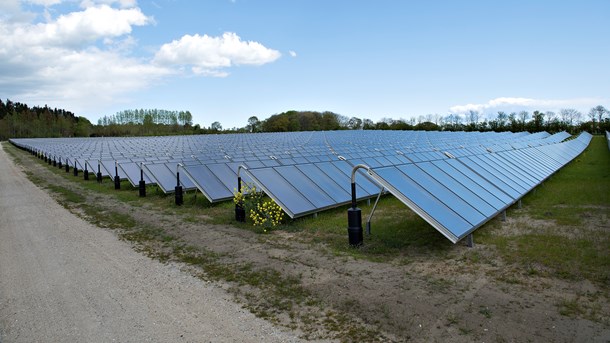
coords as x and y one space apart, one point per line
341 179
305 186
462 191
208 182
164 177
443 194
484 184
225 174
491 177
282 191
338 193
361 178
514 173
254 164
425 201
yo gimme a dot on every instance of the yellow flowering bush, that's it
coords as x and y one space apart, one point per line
248 196
267 214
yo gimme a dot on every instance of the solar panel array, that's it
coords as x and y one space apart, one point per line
454 180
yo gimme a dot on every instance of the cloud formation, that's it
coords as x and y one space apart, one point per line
209 55
88 57
511 104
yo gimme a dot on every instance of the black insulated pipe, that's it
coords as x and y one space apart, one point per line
354 215
240 211
117 180
178 190
142 184
354 222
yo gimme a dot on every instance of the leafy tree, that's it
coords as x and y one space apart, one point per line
216 126
254 125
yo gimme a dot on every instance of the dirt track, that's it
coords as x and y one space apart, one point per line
64 280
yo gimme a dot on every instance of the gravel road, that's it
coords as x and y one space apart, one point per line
64 280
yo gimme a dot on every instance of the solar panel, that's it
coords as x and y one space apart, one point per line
455 180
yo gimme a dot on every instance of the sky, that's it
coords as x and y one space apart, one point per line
228 60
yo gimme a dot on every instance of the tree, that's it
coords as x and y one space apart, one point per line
502 119
599 112
569 116
354 123
216 126
524 116
368 124
538 121
254 125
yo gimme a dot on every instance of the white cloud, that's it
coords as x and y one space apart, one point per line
86 59
92 3
61 60
515 104
207 55
292 53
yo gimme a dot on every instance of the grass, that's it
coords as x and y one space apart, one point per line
575 247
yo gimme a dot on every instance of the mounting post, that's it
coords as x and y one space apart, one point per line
67 166
519 204
75 168
86 172
470 240
59 164
368 221
178 190
504 215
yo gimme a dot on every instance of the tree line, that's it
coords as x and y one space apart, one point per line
597 121
20 120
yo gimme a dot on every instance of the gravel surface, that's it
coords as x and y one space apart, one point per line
64 280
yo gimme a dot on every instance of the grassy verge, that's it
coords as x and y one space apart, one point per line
567 231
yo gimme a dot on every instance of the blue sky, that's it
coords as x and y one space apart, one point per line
228 60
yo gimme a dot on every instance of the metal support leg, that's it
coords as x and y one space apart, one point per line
470 240
504 215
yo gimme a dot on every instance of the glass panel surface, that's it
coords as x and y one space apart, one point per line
460 190
335 191
425 201
208 183
305 186
450 199
282 191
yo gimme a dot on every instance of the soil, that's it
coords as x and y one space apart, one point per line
446 298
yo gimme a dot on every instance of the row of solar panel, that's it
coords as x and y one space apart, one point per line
123 148
455 195
216 177
217 180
